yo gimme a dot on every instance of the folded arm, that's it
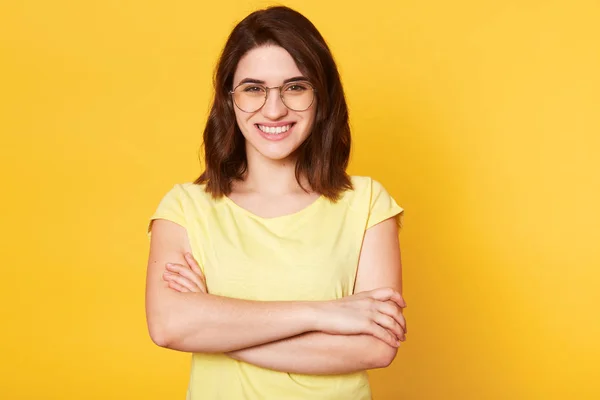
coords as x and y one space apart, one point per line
200 322
320 353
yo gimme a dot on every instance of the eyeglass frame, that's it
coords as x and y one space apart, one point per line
267 89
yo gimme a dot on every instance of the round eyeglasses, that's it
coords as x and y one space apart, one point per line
251 97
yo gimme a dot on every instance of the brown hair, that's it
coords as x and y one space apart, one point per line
323 157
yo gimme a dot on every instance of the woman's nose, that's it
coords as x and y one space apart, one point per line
274 107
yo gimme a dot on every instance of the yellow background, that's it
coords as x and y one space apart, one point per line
480 117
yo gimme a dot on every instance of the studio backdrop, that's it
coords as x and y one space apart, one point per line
480 117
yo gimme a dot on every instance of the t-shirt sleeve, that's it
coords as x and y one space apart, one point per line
382 206
170 208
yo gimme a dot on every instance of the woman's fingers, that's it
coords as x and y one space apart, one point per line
391 309
194 265
391 325
383 334
182 281
178 287
188 274
385 294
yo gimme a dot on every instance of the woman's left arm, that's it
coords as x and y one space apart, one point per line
320 353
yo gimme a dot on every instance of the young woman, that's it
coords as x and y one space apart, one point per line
277 270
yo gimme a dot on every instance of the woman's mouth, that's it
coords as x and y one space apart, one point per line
275 133
274 130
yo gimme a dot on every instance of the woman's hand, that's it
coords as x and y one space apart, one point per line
185 278
376 312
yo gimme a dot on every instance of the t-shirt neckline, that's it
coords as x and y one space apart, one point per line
300 213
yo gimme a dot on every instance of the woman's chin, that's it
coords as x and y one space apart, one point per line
277 155
274 151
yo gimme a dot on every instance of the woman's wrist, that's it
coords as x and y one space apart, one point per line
315 314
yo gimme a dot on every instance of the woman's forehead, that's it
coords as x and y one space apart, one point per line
271 64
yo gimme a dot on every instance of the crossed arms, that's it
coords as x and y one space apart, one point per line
352 334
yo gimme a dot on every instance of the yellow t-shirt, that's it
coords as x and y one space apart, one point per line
309 255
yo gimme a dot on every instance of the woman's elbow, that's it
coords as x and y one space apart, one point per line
161 330
159 334
175 337
383 355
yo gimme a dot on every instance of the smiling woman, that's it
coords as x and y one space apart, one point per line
277 270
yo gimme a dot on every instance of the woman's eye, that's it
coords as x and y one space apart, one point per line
253 89
297 87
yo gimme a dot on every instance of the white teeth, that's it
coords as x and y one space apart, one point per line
274 130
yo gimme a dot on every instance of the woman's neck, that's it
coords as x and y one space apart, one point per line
270 177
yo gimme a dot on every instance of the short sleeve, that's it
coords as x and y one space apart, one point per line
382 205
170 208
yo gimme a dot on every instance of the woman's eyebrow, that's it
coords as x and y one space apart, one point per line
251 80
259 82
294 79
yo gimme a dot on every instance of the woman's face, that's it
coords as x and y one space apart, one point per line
274 131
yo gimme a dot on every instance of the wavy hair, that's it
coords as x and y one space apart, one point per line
323 156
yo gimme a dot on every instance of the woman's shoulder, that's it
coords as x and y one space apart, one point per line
361 182
368 194
359 194
362 188
193 188
190 193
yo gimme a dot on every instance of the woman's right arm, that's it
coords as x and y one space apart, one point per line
200 322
